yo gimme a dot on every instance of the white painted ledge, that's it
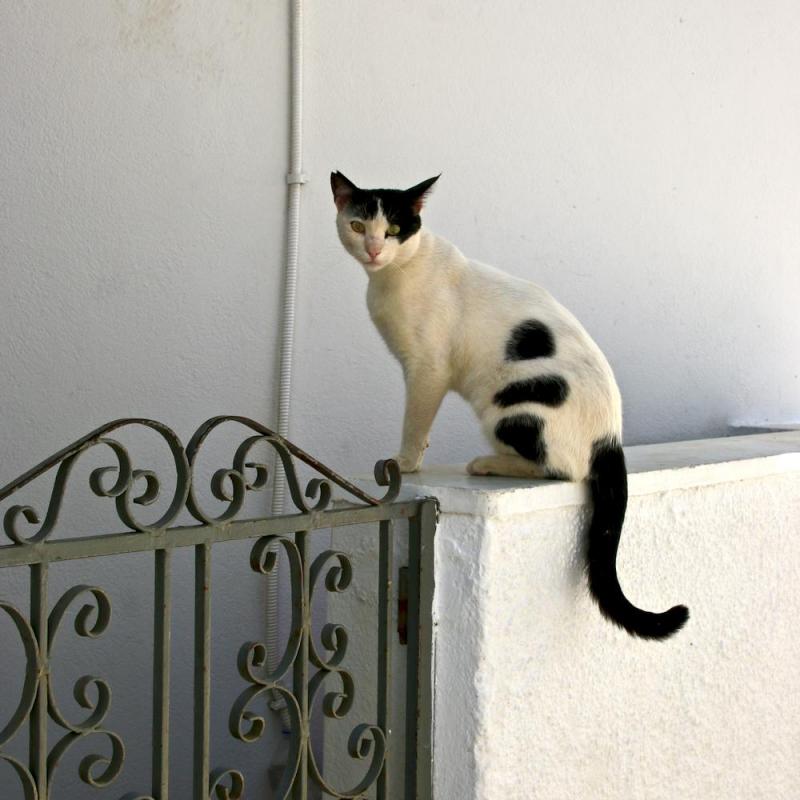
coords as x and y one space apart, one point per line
536 696
651 468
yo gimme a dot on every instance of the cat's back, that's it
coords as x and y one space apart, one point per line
487 281
497 301
502 311
487 304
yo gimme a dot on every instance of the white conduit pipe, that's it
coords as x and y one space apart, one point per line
295 178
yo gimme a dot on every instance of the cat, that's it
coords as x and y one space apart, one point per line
542 389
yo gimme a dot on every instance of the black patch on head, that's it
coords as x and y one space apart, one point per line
523 432
397 208
364 204
530 339
400 207
549 390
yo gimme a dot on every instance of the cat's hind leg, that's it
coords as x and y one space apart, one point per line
507 465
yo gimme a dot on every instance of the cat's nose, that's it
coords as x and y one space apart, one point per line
374 250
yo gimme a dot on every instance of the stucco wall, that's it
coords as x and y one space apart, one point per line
536 696
142 161
142 186
641 162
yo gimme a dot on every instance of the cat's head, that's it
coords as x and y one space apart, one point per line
379 227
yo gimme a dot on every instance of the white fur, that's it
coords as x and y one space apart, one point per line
447 319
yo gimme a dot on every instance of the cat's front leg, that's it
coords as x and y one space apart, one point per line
425 390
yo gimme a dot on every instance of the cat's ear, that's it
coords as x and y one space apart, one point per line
418 193
342 188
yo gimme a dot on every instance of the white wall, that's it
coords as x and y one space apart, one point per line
142 187
537 696
640 160
641 163
142 160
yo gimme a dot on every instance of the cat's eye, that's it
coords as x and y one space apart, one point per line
393 230
357 226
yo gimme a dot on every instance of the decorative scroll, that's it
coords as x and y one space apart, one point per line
26 780
122 482
130 486
366 741
92 620
31 670
244 724
231 485
20 716
226 784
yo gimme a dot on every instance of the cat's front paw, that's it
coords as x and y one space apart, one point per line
480 466
407 464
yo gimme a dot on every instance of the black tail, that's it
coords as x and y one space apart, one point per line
608 480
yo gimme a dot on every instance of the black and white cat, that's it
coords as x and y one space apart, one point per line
542 389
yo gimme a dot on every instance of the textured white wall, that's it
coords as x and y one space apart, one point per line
640 160
141 201
642 164
536 696
142 160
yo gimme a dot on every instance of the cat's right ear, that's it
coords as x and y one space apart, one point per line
342 188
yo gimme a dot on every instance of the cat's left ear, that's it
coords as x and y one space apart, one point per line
418 193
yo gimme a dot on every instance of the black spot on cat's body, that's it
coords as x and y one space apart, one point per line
523 432
530 339
549 390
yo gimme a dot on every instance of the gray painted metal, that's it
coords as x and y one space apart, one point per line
300 672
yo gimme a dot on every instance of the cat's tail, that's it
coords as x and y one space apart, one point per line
608 481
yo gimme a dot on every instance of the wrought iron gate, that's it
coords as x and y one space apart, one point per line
38 726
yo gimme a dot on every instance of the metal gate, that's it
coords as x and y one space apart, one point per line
38 735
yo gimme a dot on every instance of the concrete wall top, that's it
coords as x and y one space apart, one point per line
651 468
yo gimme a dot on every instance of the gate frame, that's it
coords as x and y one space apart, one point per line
140 487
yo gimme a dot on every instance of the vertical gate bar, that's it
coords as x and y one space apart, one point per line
429 513
419 686
162 612
385 559
202 669
300 671
412 666
37 754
